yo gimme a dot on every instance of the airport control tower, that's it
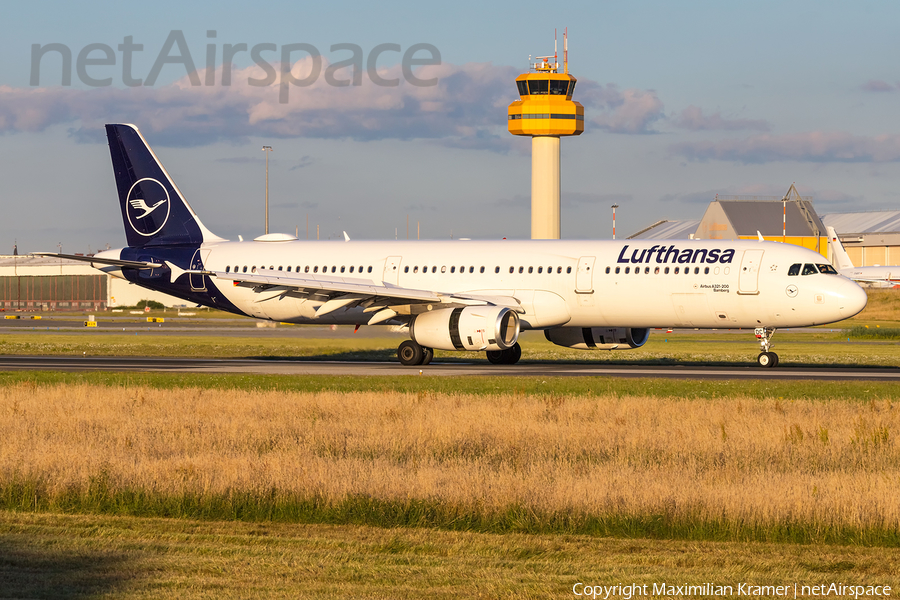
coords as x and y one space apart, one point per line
545 111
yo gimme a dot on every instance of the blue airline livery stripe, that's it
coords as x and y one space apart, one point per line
666 254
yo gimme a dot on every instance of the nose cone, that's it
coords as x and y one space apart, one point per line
851 299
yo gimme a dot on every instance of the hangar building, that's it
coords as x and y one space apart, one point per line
37 283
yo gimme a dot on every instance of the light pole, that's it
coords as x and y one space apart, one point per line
614 207
267 149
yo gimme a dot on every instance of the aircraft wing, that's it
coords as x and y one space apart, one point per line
127 264
340 292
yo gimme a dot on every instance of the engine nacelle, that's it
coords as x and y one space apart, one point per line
598 338
467 328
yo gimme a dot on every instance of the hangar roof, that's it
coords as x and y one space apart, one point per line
667 230
885 221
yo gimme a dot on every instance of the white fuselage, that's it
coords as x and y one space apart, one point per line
702 284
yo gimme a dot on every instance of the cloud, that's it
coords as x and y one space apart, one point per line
621 111
242 160
693 119
815 146
467 107
876 85
305 161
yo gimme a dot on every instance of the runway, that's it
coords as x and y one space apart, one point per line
448 369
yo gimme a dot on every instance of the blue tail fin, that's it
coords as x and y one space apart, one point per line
153 209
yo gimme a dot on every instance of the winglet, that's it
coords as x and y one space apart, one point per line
346 237
759 235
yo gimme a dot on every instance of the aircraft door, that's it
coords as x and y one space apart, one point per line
748 280
392 269
584 277
198 282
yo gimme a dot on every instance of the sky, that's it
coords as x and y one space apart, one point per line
683 101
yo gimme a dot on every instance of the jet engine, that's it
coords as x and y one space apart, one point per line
467 328
598 338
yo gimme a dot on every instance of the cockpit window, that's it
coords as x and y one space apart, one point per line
827 269
809 269
794 270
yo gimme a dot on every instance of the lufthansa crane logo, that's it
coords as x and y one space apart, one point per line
148 206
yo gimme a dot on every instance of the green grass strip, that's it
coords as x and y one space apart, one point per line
271 506
860 391
861 332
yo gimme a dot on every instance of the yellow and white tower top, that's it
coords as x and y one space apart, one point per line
545 111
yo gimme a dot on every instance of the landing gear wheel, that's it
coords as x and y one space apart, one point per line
428 355
767 359
496 357
510 356
410 353
515 354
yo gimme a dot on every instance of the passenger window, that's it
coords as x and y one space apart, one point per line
827 269
559 269
667 271
316 269
306 269
540 270
617 270
351 268
530 270
369 270
434 269
342 268
482 270
453 269
627 270
521 270
228 269
656 271
415 269
809 269
496 269
512 269
280 268
696 270
706 271
334 269
646 270
676 271
607 270
568 269
443 269
406 269
471 269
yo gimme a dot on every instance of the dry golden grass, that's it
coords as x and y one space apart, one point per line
762 463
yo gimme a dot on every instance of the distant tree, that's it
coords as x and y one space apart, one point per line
153 304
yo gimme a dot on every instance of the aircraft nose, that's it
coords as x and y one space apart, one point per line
851 299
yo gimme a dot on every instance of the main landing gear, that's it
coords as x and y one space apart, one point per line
510 356
412 354
766 358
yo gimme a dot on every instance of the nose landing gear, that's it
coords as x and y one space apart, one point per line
766 359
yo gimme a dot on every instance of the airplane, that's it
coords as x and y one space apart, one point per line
887 276
463 294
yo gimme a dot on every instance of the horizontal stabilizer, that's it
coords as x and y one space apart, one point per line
115 262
